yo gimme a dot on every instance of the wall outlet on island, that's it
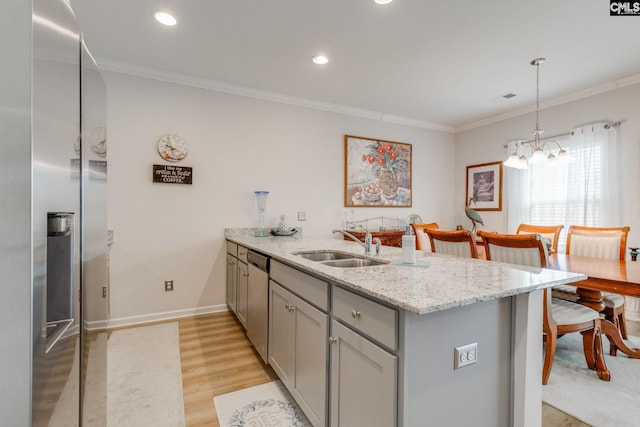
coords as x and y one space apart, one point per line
168 285
465 355
302 216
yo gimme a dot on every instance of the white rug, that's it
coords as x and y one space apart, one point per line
576 390
266 405
144 377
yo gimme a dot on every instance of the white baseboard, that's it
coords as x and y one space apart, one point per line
155 317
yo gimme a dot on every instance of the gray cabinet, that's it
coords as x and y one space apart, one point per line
237 281
242 281
298 341
232 273
363 374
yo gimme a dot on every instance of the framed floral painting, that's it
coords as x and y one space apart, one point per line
484 185
377 173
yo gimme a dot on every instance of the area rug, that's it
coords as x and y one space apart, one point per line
144 377
576 390
266 405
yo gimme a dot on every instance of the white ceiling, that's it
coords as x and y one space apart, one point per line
437 62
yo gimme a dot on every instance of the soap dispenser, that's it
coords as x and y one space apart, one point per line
409 247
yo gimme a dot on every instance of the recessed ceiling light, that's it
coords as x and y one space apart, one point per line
320 59
383 1
165 18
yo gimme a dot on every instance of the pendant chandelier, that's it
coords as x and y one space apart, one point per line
536 151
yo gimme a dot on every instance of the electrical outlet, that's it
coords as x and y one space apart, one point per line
465 355
104 292
302 216
168 285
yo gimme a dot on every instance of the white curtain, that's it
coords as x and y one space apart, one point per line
584 192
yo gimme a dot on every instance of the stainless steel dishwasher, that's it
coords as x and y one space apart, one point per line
258 302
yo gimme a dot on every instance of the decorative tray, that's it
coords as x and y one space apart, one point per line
276 232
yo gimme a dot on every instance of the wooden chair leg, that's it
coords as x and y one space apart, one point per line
549 354
589 348
622 324
601 366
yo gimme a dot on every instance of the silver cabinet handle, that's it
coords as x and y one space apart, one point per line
355 314
290 307
332 340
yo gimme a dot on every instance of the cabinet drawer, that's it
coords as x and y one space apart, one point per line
232 248
373 319
242 253
308 287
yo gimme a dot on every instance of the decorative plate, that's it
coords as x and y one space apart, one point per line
172 148
276 232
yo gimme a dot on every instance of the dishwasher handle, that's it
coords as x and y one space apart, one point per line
258 260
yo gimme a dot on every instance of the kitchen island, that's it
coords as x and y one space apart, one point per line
448 341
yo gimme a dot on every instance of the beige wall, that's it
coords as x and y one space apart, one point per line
237 145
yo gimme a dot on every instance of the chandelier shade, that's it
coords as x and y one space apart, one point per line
537 151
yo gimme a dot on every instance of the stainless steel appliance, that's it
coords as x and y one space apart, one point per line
258 302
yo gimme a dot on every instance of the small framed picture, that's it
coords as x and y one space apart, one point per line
484 185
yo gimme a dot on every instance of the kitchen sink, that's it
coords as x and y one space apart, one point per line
339 259
324 255
353 262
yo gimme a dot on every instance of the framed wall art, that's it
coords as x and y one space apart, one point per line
484 184
377 173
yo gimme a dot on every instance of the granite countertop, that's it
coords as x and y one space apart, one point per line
437 282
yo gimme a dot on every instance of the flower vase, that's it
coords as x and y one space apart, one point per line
388 182
262 201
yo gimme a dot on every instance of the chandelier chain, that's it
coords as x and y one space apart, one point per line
537 95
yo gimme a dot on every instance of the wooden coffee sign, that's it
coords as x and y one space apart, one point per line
169 174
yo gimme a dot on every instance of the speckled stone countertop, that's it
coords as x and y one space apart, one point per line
436 283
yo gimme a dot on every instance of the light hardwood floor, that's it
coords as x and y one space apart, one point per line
217 358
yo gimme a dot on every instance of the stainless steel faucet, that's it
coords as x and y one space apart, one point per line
367 241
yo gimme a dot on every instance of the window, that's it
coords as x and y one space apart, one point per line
583 192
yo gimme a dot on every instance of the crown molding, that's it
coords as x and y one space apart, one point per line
575 96
218 86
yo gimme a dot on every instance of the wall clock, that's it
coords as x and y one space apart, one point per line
172 148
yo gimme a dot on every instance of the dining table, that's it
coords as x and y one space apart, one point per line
604 275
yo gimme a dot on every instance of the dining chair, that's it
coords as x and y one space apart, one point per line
559 317
422 241
459 243
598 242
548 232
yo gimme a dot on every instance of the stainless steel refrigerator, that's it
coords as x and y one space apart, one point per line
69 176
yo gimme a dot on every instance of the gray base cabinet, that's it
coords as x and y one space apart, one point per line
232 272
242 293
237 281
298 350
363 381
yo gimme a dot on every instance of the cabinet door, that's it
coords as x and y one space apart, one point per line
241 293
363 381
232 272
281 336
298 351
310 391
